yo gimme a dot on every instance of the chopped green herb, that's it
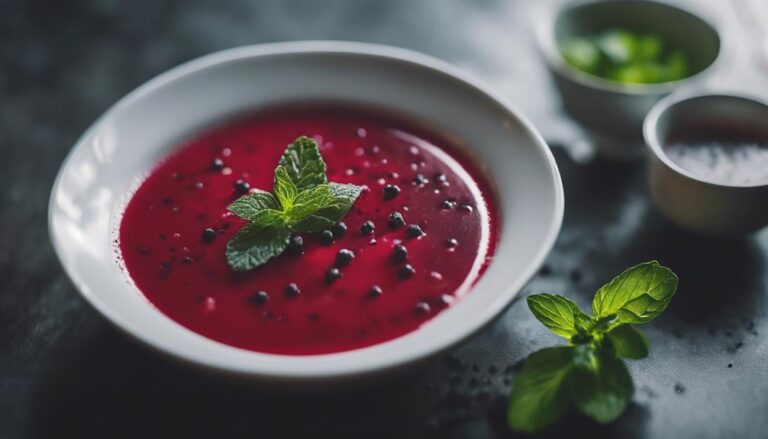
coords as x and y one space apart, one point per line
589 373
625 57
581 53
302 201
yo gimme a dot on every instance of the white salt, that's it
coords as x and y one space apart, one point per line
736 164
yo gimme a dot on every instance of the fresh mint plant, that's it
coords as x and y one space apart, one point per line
302 201
589 372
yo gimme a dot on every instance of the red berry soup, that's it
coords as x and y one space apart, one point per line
417 238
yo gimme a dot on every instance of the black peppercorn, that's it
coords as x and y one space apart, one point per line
422 308
339 229
367 228
414 231
374 292
332 274
297 244
259 298
242 187
344 257
406 271
327 237
292 290
208 235
396 220
217 164
399 253
391 191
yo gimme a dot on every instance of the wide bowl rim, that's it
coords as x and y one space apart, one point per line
651 133
308 373
545 30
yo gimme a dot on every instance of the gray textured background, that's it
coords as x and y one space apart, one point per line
65 372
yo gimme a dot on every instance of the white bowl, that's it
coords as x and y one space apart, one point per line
613 112
119 149
702 204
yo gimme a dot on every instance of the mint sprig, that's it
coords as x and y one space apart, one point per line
589 373
302 201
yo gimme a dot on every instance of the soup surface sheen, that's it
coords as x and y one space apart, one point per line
189 280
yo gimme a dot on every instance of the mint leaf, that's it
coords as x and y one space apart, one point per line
254 245
261 208
601 388
628 342
591 367
302 201
637 295
304 163
249 205
284 188
269 218
342 196
556 313
539 393
307 202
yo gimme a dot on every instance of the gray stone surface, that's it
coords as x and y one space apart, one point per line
66 372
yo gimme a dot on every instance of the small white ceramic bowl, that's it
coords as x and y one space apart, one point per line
613 112
699 203
112 157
